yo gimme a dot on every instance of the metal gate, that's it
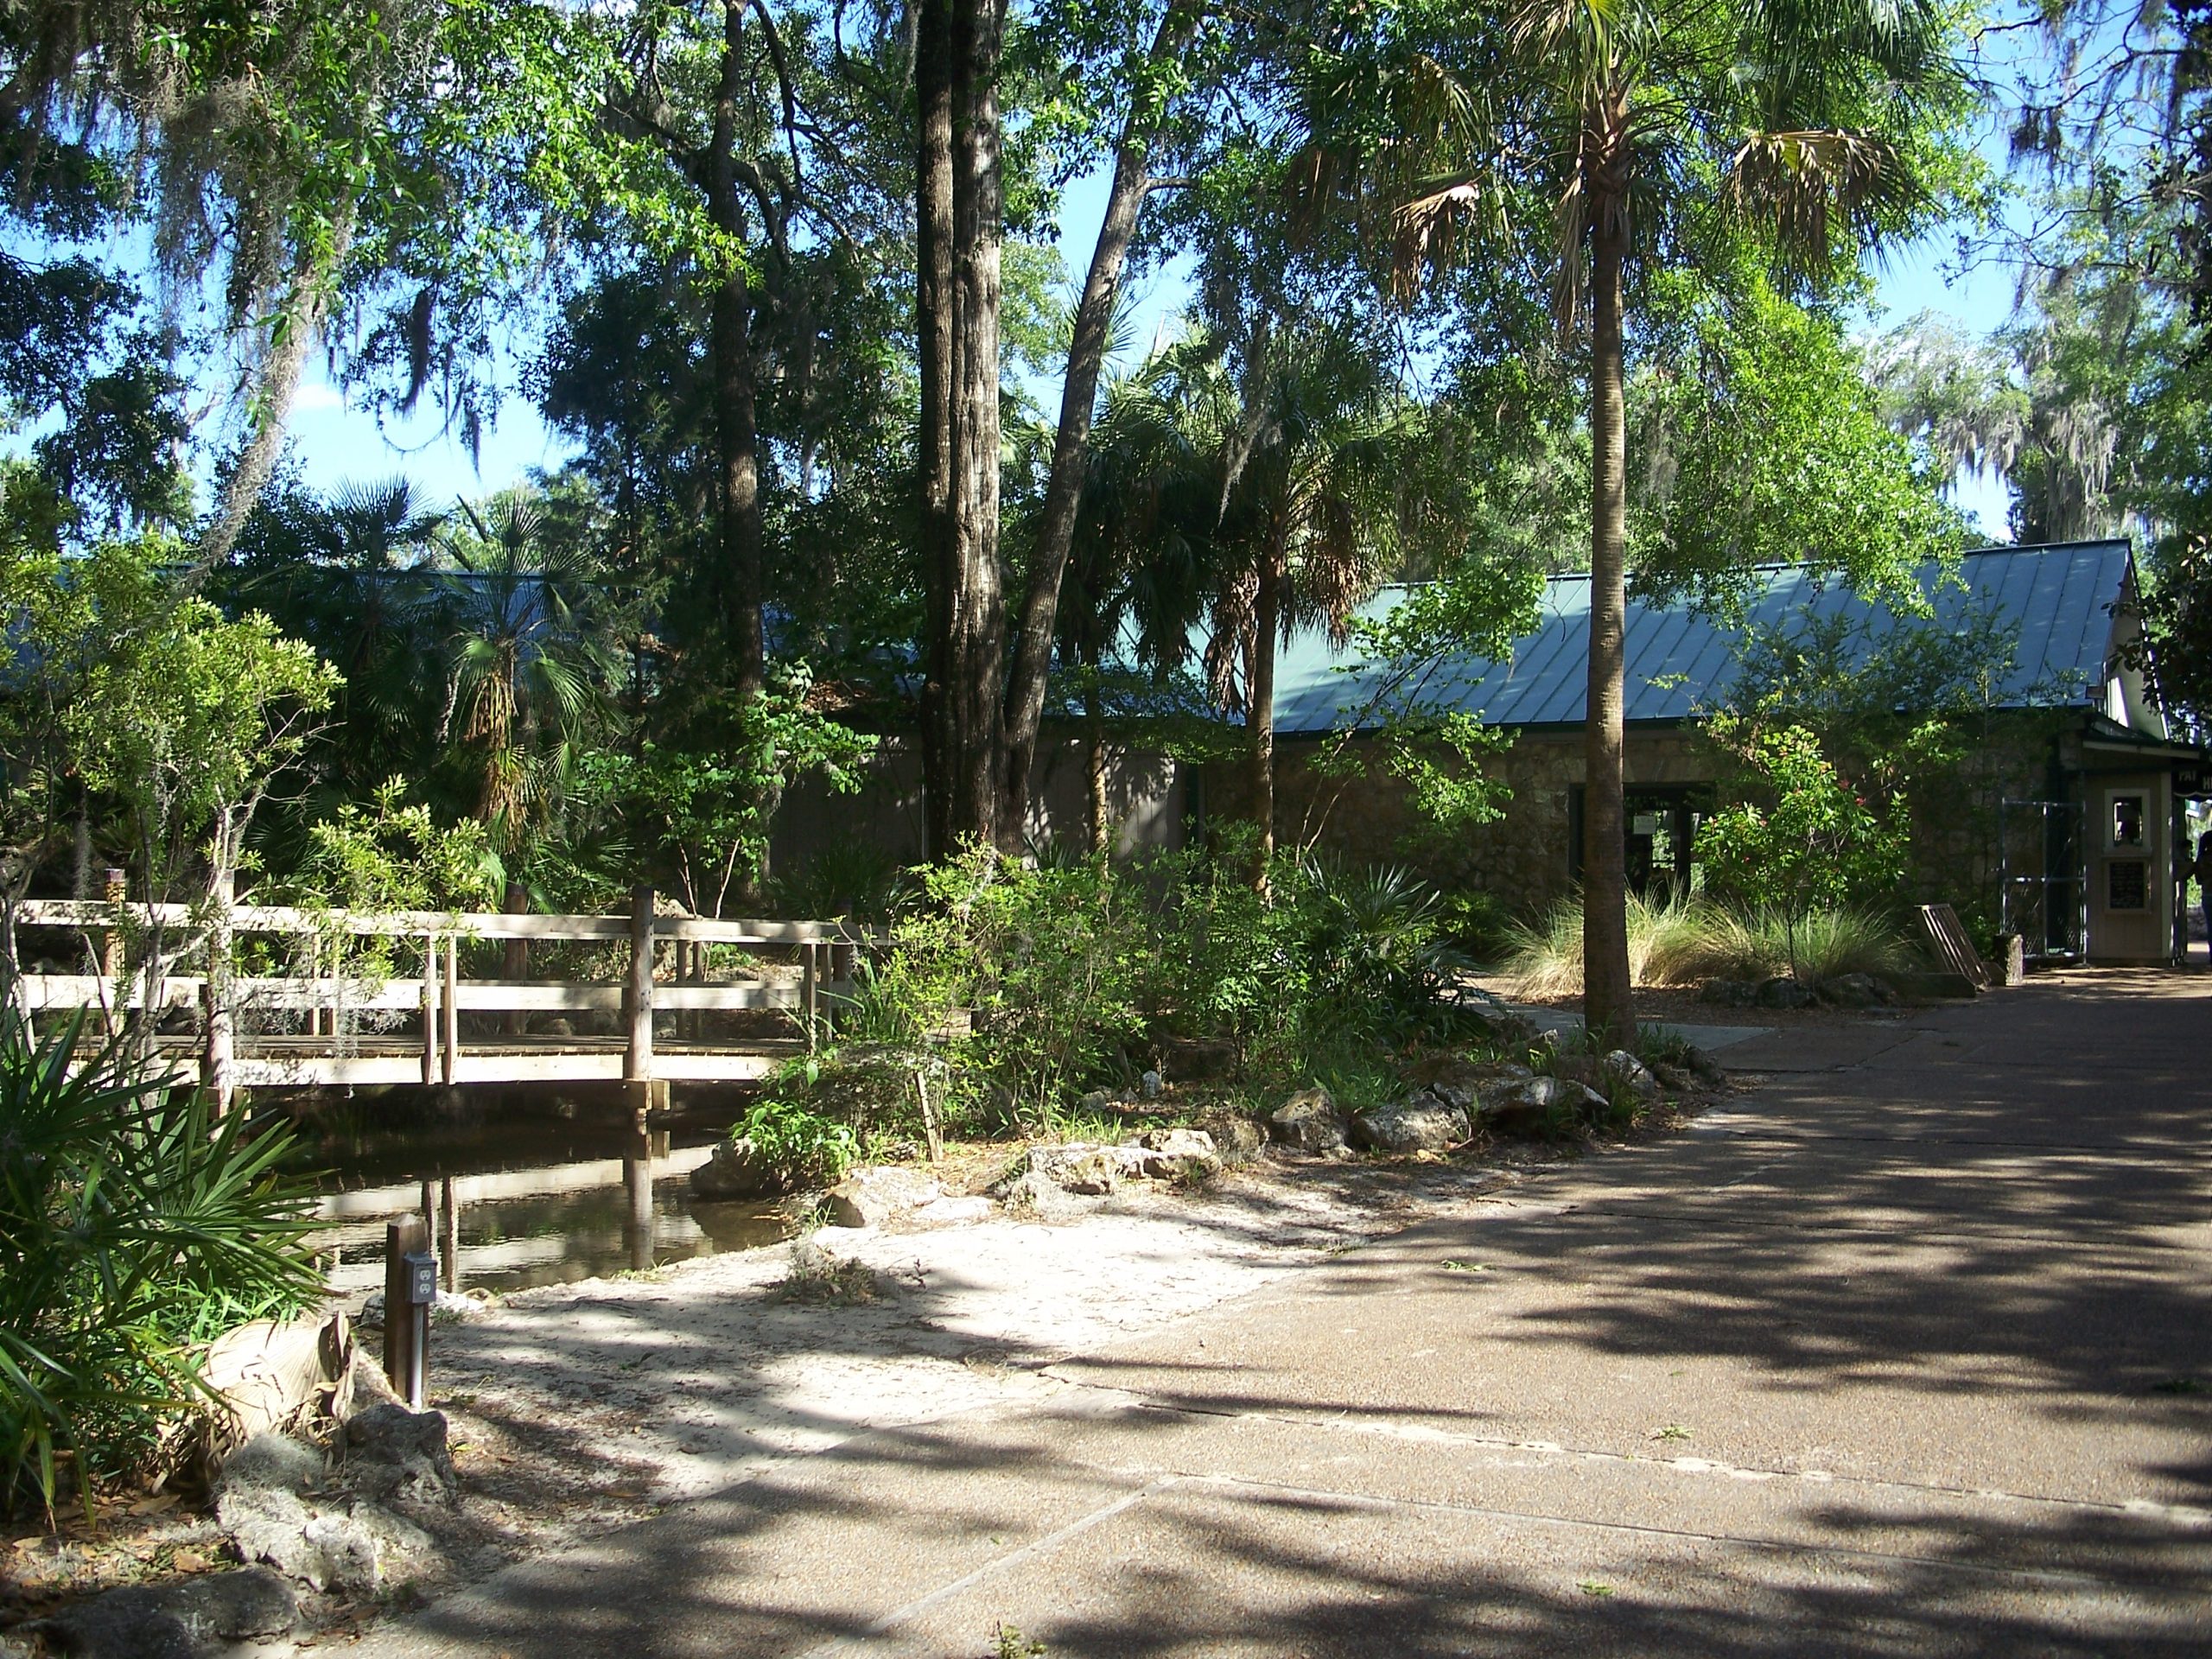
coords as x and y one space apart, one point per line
2041 894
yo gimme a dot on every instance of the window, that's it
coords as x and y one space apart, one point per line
2126 827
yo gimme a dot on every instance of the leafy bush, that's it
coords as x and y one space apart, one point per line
1812 845
1689 941
1375 955
1044 962
1041 981
135 1228
789 1133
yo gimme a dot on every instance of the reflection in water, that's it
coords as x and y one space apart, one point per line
510 1243
549 1190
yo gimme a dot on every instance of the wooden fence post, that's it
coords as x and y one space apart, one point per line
637 1062
514 957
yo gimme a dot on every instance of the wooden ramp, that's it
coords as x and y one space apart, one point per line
323 1025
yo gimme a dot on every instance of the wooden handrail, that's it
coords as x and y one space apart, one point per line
440 995
475 925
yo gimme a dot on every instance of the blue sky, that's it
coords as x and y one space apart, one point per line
337 445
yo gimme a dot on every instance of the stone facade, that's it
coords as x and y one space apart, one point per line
1525 857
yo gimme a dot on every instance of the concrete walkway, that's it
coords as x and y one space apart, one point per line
1913 1357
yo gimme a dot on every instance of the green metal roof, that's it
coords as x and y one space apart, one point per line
1679 660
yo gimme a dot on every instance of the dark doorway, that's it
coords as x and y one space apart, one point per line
1661 823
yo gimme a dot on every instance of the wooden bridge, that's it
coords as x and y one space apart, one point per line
320 1026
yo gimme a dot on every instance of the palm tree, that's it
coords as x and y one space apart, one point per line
1137 575
1624 135
530 663
1306 432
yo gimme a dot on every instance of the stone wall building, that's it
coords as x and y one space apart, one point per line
2062 822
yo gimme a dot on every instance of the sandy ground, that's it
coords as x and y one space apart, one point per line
579 1407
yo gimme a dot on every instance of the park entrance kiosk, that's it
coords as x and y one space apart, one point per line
2131 893
2135 789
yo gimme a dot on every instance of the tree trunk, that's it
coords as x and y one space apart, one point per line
1260 711
736 430
1608 1009
934 330
1094 321
978 772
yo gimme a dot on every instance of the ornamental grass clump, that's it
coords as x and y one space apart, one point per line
135 1227
1689 942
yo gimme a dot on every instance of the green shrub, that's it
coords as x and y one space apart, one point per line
135 1228
1812 844
1040 982
810 1118
1029 975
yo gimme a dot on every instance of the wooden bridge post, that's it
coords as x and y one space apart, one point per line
809 994
432 1071
215 1069
449 1049
116 889
637 1062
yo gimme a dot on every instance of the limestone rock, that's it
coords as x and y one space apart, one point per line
1036 1195
1426 1124
350 1544
158 1621
1856 991
949 1212
1309 1120
872 1196
1784 992
1086 1168
1729 992
1235 1137
1457 1081
1624 1068
272 1461
390 1451
1545 1106
1175 1155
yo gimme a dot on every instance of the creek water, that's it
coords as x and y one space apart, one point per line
549 1187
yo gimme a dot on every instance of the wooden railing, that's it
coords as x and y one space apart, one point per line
439 1051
